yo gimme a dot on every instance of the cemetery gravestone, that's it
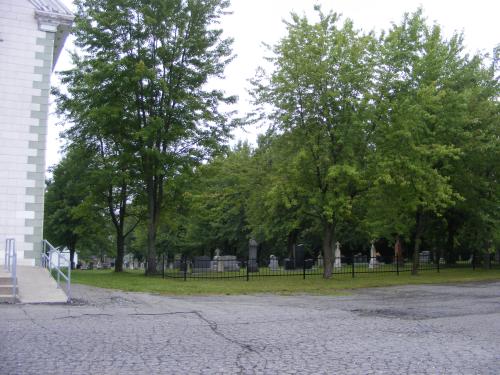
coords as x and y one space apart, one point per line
337 263
360 259
308 264
289 263
252 256
425 257
218 263
230 263
273 263
299 256
177 261
202 264
398 252
373 257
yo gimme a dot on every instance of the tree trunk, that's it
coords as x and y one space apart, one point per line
151 250
119 226
450 255
418 242
152 227
72 257
71 247
328 230
120 250
291 241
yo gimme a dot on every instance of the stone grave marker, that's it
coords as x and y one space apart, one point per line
202 264
299 256
338 262
373 257
218 263
252 256
398 252
273 263
425 256
230 263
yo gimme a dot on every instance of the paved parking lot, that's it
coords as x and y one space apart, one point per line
453 329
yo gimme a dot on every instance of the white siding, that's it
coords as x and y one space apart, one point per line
18 48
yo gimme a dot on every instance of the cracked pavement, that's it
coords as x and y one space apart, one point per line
426 329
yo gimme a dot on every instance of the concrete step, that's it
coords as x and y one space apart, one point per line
5 280
7 298
6 289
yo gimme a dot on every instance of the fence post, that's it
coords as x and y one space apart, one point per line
58 269
352 266
439 261
69 281
163 267
304 269
248 264
185 269
473 260
397 264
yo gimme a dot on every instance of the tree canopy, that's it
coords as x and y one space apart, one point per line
371 137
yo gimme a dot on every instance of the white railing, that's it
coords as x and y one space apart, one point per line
61 263
10 263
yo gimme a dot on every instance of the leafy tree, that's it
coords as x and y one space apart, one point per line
320 93
421 124
97 131
69 218
144 70
218 203
474 221
274 211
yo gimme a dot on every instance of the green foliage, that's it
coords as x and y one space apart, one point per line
218 202
430 122
71 218
140 87
320 92
369 137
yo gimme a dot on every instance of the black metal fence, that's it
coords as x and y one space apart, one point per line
229 267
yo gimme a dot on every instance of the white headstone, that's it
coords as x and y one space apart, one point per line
338 255
373 257
273 263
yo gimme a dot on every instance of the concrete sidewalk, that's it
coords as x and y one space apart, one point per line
36 285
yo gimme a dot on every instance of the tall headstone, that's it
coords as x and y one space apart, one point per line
398 252
252 256
373 257
338 262
299 256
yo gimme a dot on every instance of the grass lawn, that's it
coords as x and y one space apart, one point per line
136 281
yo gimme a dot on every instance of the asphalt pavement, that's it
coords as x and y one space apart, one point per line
426 329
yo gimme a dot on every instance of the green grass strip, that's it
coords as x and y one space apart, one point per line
135 281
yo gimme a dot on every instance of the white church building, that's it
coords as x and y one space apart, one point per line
32 35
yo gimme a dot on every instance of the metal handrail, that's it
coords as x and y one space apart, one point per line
10 264
48 250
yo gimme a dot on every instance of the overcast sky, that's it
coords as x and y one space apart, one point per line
255 21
